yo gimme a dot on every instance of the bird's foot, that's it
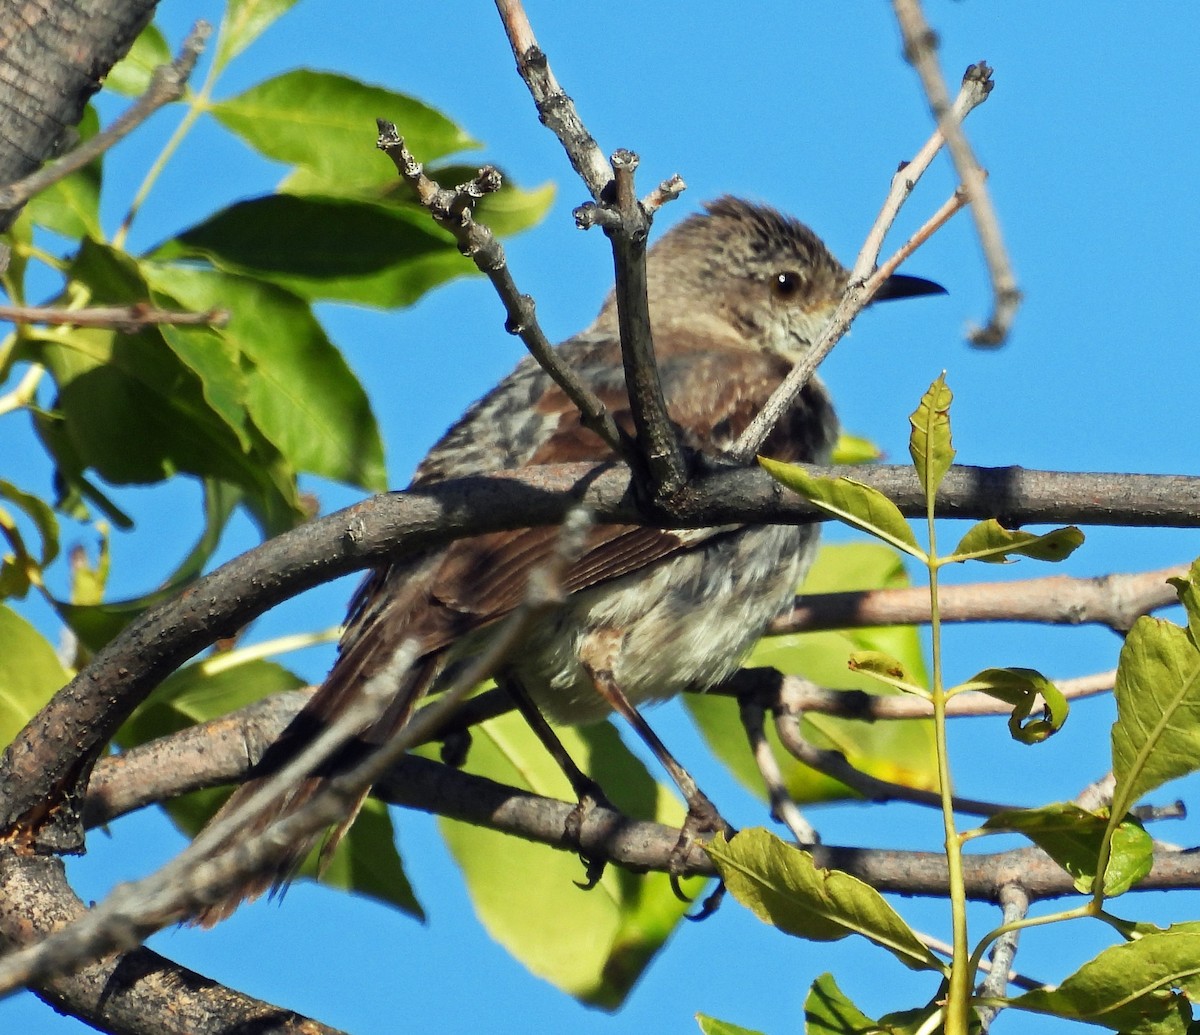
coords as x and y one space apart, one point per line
589 796
702 818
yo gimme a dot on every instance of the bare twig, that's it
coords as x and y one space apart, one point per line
974 91
783 808
865 278
1015 903
555 108
627 225
920 46
835 764
1116 601
668 190
796 696
127 319
451 209
626 222
166 85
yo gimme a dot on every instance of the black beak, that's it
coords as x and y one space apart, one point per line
900 285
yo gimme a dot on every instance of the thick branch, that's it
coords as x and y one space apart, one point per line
138 992
41 770
422 784
166 85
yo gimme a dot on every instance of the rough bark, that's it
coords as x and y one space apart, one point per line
53 57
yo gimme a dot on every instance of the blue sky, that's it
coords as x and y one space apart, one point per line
1090 140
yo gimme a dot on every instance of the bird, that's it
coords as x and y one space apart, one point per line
737 293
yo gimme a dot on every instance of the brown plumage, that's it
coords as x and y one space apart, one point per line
735 295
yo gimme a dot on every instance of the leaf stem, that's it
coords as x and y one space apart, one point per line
958 1001
197 104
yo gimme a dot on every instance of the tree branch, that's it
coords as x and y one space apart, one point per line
43 770
1116 601
478 243
419 783
626 223
128 319
166 85
137 992
920 46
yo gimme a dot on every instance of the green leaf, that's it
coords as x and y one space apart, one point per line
711 1026
71 207
244 22
136 411
901 752
857 505
131 76
1022 688
1127 986
854 449
297 386
829 1011
1072 837
20 568
784 887
991 542
325 124
929 442
1188 590
591 944
327 248
1156 737
30 673
367 862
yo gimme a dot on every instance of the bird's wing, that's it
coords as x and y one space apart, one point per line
712 395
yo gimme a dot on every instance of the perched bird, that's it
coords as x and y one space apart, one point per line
736 295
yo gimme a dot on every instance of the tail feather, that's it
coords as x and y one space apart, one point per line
361 658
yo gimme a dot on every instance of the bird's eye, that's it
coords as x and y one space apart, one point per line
786 284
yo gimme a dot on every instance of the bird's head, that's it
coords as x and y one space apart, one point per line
748 276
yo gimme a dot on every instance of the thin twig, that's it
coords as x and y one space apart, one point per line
920 46
626 223
796 696
555 108
451 209
783 808
166 85
128 319
835 764
974 91
1116 601
668 190
1015 903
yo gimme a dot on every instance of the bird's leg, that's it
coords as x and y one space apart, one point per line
587 792
596 654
